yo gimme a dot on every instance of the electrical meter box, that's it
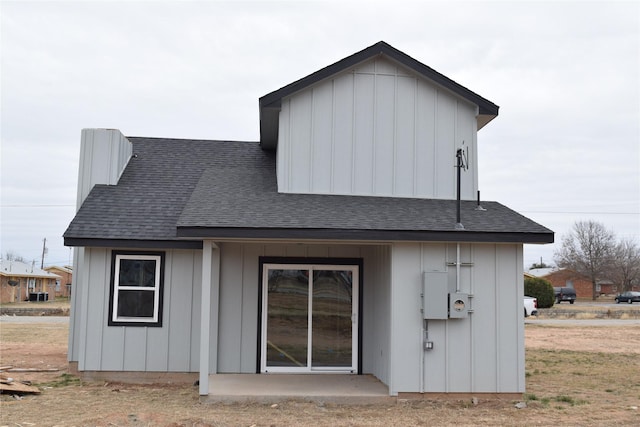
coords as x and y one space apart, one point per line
435 295
458 305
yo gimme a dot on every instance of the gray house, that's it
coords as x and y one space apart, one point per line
348 241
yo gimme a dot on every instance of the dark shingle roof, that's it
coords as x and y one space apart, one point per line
186 190
155 186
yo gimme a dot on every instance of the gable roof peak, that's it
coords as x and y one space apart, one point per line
270 103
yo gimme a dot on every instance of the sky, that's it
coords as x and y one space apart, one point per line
566 75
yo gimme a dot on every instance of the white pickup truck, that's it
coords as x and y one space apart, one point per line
530 306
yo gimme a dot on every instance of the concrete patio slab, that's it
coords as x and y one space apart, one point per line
273 388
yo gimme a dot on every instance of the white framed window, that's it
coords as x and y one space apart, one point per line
137 280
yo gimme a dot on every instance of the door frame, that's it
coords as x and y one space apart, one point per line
357 262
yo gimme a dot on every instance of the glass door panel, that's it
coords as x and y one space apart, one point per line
309 318
287 318
332 325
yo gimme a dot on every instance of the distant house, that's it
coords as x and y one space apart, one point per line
540 272
564 277
63 285
333 245
22 282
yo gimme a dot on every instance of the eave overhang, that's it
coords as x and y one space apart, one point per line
129 243
364 235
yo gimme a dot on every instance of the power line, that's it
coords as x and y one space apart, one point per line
583 212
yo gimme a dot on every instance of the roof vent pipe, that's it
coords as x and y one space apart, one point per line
479 207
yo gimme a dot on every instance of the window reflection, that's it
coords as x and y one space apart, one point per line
289 328
332 324
287 318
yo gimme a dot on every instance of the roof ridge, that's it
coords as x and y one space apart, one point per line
191 139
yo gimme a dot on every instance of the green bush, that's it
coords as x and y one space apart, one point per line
540 289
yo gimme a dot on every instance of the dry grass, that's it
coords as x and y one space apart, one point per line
604 308
566 385
589 388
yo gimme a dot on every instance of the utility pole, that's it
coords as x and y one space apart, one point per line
44 251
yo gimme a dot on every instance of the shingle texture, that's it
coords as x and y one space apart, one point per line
176 189
155 186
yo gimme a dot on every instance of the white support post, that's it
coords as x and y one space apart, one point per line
215 308
209 312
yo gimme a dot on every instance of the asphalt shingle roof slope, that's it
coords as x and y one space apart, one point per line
176 190
155 186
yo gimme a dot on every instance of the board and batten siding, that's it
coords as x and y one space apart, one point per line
239 301
377 130
483 352
174 347
377 312
104 154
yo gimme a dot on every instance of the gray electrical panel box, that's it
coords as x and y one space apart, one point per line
435 295
458 305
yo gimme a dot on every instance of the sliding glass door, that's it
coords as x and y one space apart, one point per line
309 321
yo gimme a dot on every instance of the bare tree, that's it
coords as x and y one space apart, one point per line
626 264
589 250
540 265
11 256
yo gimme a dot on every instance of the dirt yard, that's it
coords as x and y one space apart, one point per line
575 375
